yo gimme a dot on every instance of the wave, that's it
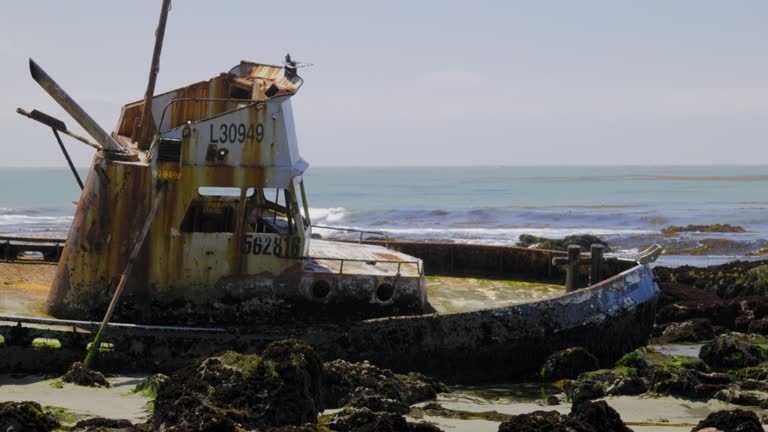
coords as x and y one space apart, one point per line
323 216
499 236
17 219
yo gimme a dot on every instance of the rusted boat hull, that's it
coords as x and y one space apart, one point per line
609 319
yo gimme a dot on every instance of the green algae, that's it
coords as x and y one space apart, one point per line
149 386
457 294
247 363
63 415
46 343
643 358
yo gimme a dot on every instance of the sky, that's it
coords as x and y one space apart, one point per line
424 83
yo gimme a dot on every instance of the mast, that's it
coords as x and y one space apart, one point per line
148 126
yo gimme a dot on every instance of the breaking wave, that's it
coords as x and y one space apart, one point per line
324 216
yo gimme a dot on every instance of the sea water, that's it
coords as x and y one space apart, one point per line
627 206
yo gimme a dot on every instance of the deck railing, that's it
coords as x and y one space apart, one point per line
361 232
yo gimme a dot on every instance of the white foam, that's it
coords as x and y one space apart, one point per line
31 220
322 216
491 236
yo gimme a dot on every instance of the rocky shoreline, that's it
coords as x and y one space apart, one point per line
288 388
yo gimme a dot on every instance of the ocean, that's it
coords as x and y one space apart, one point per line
627 206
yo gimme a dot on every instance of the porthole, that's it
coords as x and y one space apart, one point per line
320 289
385 292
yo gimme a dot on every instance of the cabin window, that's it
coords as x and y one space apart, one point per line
270 210
214 210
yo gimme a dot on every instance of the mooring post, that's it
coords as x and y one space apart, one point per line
596 270
572 268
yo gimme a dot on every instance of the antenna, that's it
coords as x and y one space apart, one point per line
148 126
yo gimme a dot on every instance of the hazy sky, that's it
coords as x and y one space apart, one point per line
423 83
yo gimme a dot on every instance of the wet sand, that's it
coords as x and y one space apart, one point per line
24 288
79 402
639 413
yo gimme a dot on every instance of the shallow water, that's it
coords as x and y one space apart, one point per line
628 206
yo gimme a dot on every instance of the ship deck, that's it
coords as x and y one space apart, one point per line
24 289
362 259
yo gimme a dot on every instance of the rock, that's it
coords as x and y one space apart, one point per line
714 228
731 421
598 415
731 351
423 427
148 386
738 396
341 378
25 416
364 420
694 330
569 363
628 386
583 240
309 427
79 374
646 358
279 388
553 400
758 372
730 280
681 383
367 398
577 391
759 326
544 421
99 424
722 313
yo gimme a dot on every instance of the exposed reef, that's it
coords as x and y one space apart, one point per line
583 240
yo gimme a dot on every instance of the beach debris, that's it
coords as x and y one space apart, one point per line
99 424
732 351
25 416
583 240
568 363
81 375
280 387
342 380
731 421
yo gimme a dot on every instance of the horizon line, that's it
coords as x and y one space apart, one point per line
617 165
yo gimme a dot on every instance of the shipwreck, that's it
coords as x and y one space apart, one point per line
193 235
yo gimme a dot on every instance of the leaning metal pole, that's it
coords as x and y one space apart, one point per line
71 107
126 273
147 122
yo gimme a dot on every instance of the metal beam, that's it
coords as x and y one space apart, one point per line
70 106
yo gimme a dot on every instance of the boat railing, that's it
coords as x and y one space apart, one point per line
361 232
49 247
367 261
